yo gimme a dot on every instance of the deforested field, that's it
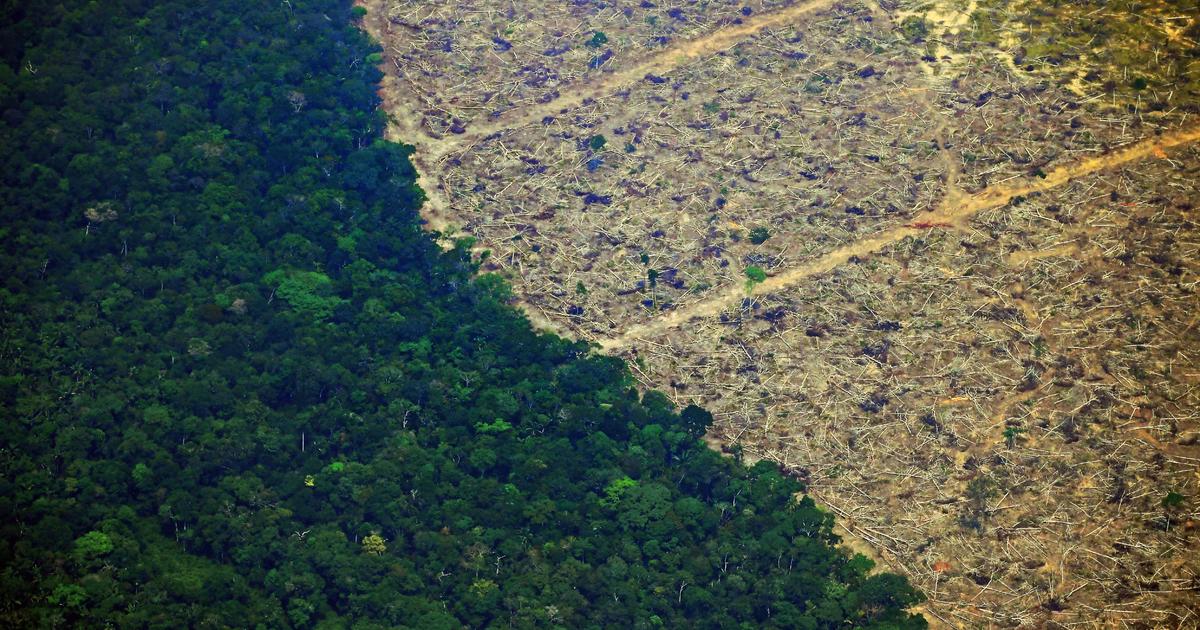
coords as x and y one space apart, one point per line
939 260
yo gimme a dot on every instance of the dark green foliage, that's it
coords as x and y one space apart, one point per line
755 275
1010 435
695 420
759 235
231 358
1173 500
597 142
598 39
915 28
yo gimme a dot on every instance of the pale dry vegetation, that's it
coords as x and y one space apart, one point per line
978 339
467 62
1045 354
688 167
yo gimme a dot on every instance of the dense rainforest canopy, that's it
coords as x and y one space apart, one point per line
241 387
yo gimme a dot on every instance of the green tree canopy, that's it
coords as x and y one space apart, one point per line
243 388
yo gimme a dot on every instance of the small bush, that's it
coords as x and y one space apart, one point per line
598 39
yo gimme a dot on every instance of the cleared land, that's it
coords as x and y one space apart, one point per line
976 330
1001 410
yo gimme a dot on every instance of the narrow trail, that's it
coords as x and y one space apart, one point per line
661 62
950 159
952 211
